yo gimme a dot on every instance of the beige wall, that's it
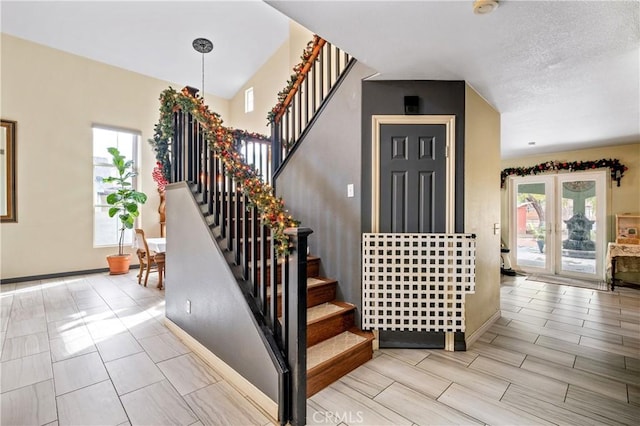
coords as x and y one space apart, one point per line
267 82
482 206
622 199
55 97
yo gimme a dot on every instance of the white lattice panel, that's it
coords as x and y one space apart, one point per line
417 282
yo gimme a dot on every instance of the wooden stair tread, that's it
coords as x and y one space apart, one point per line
324 352
318 281
327 309
310 258
312 282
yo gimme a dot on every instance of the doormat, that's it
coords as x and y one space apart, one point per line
556 279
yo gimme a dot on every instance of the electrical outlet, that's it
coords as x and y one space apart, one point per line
350 190
188 306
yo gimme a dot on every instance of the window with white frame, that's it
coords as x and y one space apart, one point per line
248 100
105 228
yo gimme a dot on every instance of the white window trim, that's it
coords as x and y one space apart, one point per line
135 181
249 100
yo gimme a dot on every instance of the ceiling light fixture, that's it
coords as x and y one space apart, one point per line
483 7
202 45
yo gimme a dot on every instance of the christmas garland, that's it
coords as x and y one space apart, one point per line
617 168
282 94
221 140
243 134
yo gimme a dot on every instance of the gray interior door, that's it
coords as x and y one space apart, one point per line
413 178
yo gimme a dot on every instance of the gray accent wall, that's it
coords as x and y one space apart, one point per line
220 317
386 97
314 186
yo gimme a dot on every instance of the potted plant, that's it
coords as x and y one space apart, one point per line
124 202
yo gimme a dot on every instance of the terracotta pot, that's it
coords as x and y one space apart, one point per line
119 264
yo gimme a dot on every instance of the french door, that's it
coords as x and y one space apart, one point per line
558 224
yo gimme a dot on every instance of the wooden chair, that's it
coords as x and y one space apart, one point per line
149 260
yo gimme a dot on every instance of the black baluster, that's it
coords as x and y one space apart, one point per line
337 64
321 74
300 110
237 247
213 182
247 238
314 71
189 147
179 140
285 284
285 139
276 135
264 257
293 121
175 149
329 68
273 281
255 244
201 164
223 200
230 210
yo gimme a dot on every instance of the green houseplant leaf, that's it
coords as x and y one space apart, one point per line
124 201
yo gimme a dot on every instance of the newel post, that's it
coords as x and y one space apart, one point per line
296 335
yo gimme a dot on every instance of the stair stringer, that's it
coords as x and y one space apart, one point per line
220 318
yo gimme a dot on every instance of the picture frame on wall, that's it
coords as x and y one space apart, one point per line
8 209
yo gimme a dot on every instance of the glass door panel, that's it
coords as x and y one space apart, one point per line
531 199
581 219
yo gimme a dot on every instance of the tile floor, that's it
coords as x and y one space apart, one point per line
559 355
93 350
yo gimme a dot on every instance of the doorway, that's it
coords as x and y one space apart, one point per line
413 173
558 224
413 192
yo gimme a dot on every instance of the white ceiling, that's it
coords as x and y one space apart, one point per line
154 37
565 74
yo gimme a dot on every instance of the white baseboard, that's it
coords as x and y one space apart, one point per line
470 340
245 387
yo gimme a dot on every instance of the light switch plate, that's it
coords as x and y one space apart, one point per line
350 190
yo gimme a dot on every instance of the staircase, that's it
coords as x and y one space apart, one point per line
230 175
335 346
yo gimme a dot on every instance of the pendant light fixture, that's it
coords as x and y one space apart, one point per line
202 45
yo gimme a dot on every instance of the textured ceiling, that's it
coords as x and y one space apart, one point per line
565 74
154 37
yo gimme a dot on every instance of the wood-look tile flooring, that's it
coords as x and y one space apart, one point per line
93 350
558 355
